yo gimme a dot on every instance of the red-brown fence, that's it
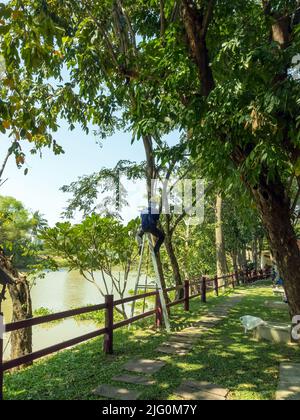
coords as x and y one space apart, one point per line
200 287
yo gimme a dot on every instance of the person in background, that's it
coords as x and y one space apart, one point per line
279 284
149 221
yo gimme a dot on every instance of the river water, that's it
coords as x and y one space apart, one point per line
57 292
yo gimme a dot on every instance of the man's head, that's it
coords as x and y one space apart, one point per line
154 207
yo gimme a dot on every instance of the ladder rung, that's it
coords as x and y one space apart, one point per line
141 286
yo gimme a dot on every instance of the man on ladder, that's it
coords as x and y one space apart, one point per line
150 218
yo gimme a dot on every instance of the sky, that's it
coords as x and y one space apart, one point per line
40 189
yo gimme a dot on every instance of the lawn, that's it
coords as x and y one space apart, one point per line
225 356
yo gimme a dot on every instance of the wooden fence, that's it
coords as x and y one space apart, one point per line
192 289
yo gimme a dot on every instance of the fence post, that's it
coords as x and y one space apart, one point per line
186 295
203 298
1 355
217 286
109 324
159 316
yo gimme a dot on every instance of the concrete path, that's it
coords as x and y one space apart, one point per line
179 343
117 393
289 382
193 390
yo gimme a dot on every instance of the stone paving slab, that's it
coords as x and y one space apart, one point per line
289 383
219 313
208 387
144 366
192 390
290 373
182 338
224 308
197 335
178 345
194 330
211 319
116 393
287 392
236 300
206 324
134 379
188 336
172 350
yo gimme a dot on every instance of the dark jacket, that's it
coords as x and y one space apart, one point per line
149 220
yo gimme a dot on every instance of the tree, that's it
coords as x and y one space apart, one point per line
222 268
263 105
97 245
221 71
18 234
27 114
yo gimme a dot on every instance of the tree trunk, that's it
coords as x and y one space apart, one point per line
241 259
163 281
172 256
255 253
235 261
21 341
274 208
222 268
196 26
151 170
260 251
175 266
151 175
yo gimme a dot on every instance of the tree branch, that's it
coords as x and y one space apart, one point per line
162 19
8 155
208 17
105 37
176 12
130 28
196 24
293 208
267 7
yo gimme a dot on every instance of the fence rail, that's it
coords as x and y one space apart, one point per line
201 287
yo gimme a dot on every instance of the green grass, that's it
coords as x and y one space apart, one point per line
225 356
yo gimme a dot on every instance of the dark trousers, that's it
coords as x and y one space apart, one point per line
159 234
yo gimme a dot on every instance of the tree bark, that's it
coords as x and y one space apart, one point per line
255 253
222 268
151 175
235 261
151 170
274 208
242 258
196 22
174 264
21 341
